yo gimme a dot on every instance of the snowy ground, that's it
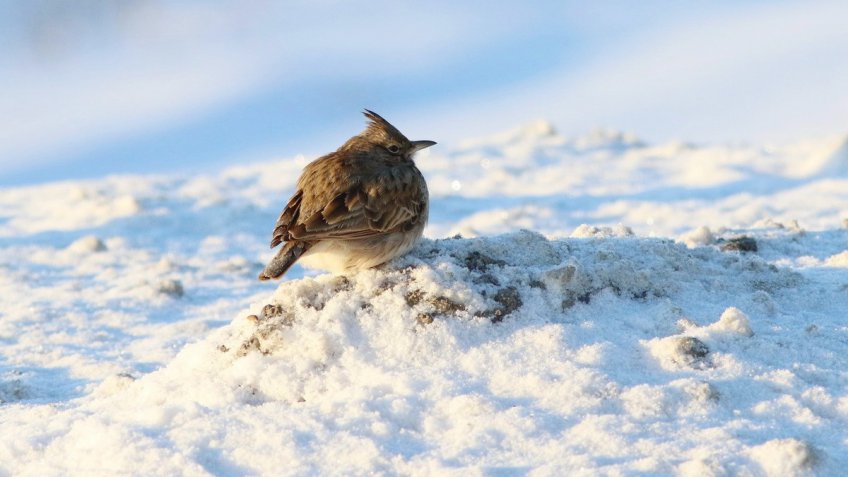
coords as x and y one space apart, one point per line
642 343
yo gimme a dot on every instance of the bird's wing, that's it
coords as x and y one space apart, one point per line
392 201
287 218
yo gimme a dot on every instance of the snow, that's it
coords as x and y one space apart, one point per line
610 307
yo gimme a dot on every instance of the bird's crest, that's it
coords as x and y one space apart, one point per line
377 126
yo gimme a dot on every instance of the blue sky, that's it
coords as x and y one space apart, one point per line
150 86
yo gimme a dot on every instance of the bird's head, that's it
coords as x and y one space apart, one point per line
381 134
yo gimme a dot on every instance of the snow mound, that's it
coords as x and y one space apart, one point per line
82 205
548 354
463 286
785 457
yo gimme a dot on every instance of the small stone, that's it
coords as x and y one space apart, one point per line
509 299
251 344
476 261
424 319
691 347
488 278
676 352
444 305
740 244
253 319
272 311
11 391
573 298
414 297
271 317
172 288
640 295
223 348
538 284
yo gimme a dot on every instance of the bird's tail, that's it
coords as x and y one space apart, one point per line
284 259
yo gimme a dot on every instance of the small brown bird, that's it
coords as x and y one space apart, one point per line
355 208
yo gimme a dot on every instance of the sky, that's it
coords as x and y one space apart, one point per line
148 86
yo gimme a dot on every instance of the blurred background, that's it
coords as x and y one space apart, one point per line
94 87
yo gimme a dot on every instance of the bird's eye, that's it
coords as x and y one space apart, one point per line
394 148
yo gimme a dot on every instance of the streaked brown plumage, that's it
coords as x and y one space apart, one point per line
354 208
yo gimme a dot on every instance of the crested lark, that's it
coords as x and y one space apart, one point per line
355 208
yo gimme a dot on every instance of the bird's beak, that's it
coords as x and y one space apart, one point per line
419 145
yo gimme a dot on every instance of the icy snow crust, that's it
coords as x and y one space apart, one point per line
136 340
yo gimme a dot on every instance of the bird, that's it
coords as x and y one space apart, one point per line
355 208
